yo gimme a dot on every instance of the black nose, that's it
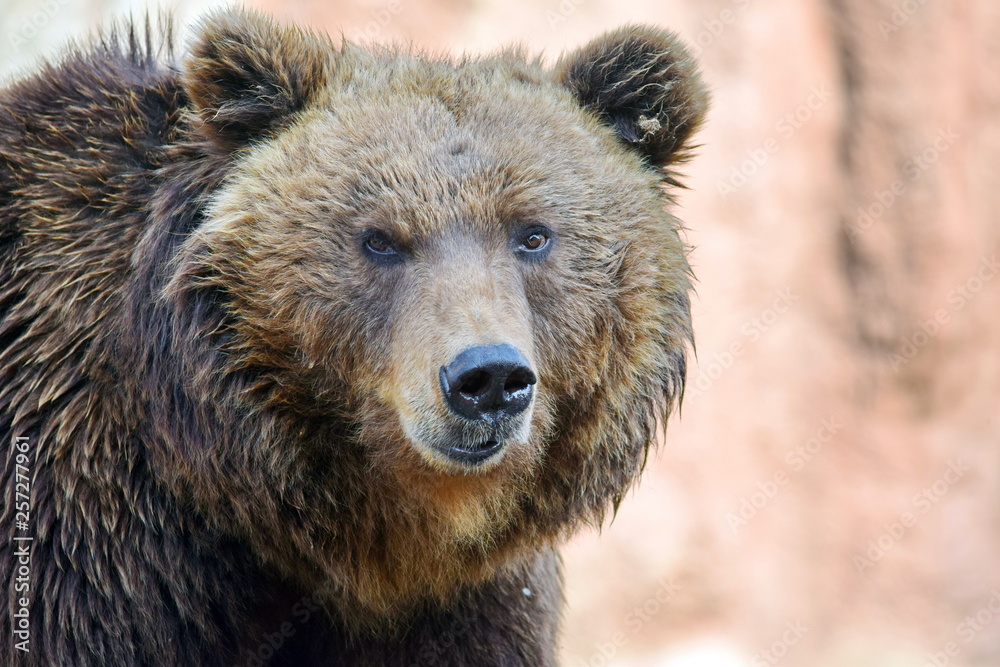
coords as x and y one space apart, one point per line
486 382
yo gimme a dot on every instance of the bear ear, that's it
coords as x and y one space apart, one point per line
246 74
644 84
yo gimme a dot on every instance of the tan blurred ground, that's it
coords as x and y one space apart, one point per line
831 493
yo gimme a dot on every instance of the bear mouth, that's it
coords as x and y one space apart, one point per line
463 447
475 454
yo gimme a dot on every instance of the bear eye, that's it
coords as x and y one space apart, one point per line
534 242
380 247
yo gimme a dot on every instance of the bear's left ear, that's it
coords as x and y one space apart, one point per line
644 84
246 74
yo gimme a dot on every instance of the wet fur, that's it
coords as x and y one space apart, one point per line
211 382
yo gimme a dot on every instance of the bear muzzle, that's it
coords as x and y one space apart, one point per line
490 386
486 383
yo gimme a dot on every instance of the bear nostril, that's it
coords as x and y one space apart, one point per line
514 386
474 383
519 380
487 382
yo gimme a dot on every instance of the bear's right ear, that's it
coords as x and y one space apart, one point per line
643 83
246 74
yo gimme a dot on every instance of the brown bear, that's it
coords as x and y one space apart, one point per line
311 354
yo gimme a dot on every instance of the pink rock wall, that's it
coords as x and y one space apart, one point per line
830 495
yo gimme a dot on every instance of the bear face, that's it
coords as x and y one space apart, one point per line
452 304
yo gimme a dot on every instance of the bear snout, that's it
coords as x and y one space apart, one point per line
488 391
488 382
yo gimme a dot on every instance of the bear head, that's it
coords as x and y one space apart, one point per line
445 302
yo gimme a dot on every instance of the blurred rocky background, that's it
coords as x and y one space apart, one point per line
830 494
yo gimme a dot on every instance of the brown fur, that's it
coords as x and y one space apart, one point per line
230 402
